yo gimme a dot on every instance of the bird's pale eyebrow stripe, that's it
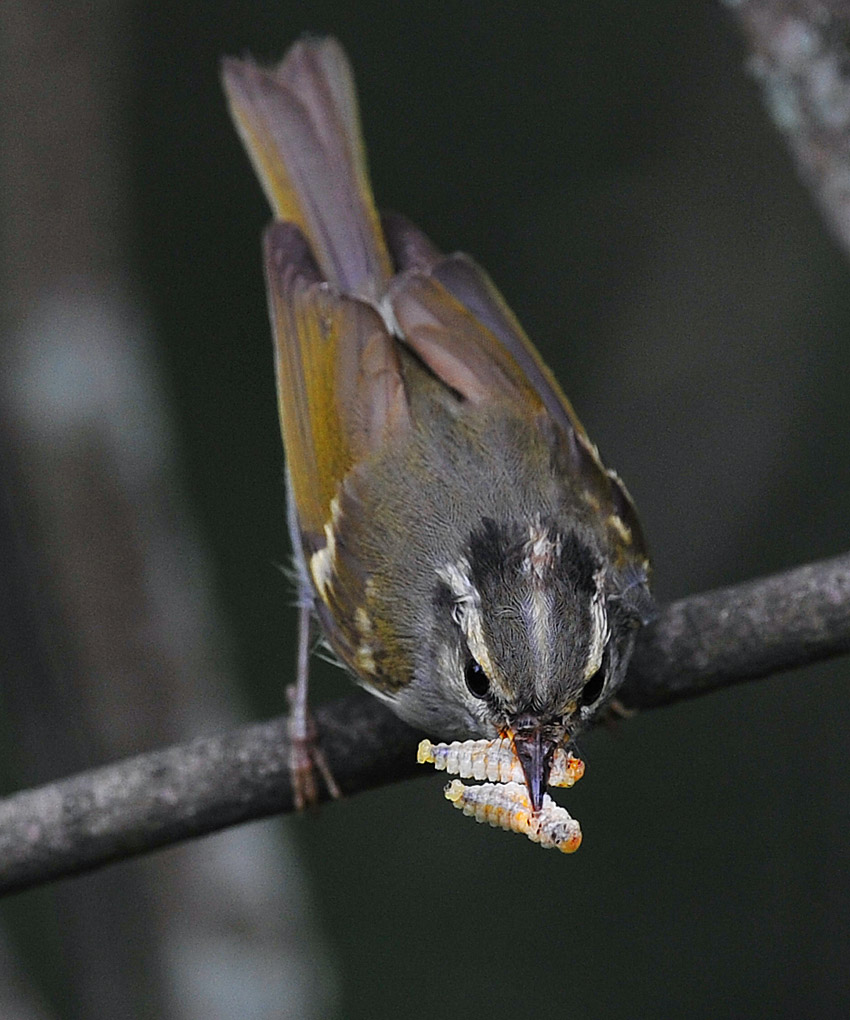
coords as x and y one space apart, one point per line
458 577
599 632
468 615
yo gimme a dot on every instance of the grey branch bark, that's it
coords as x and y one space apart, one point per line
698 644
746 632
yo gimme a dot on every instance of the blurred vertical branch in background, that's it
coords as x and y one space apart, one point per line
109 631
800 54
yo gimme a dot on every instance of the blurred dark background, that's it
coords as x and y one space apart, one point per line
613 169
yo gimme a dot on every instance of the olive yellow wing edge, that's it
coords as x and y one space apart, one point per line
340 388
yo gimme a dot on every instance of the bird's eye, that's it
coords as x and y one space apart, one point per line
592 689
476 679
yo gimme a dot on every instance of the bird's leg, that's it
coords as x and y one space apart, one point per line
305 755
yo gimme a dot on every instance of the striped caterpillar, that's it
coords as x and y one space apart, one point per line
494 760
503 801
506 806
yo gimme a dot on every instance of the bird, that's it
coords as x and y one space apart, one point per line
457 540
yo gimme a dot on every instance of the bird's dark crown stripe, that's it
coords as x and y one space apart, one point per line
499 550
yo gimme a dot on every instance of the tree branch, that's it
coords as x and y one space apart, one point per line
799 55
728 636
698 644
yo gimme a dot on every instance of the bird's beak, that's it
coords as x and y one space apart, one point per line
534 751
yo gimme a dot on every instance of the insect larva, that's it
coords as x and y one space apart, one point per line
494 760
506 806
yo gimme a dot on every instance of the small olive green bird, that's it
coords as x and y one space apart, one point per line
465 552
